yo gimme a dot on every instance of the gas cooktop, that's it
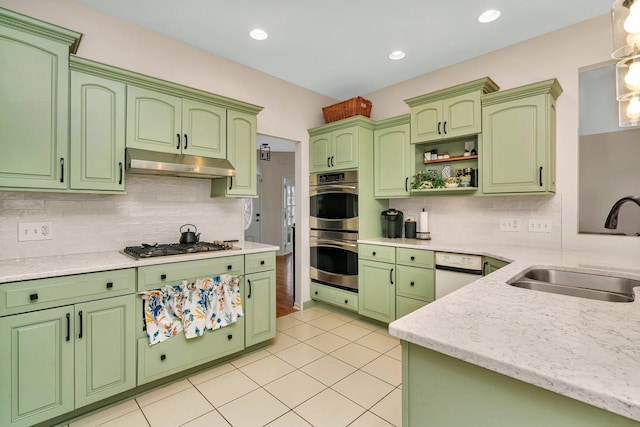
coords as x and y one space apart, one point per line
156 250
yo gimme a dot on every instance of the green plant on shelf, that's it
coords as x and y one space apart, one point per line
427 179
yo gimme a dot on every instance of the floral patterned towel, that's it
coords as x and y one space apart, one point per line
210 303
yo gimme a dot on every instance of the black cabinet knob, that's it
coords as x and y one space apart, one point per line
33 297
163 357
374 254
163 277
109 285
316 292
229 267
262 262
229 337
413 258
412 283
346 301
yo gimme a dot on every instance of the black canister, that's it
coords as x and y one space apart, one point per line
410 229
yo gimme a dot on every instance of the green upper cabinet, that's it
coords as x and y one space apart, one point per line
157 121
34 88
449 113
97 130
335 146
518 139
242 153
392 158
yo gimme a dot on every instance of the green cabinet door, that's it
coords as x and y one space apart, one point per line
491 264
344 148
376 290
204 129
105 356
34 112
392 161
462 115
426 122
242 153
260 307
320 153
97 130
36 366
518 139
154 120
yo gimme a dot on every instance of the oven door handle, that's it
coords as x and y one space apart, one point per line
336 244
325 189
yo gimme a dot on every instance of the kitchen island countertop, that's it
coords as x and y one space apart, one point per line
581 348
63 265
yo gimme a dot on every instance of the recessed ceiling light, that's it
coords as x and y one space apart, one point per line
396 55
258 34
489 16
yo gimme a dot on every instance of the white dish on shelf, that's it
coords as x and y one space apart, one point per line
451 185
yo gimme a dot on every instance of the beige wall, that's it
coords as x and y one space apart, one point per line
558 54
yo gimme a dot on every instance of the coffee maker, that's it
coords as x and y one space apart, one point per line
392 221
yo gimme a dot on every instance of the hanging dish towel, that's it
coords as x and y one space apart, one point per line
195 308
225 302
161 325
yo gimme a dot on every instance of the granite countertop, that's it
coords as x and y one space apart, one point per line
64 265
581 348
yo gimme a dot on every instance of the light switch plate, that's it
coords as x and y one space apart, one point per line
539 225
29 231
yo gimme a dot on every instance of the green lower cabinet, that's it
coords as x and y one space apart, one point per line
435 387
36 366
489 265
260 307
405 306
330 295
105 350
377 290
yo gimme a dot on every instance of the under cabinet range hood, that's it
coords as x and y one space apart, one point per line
145 162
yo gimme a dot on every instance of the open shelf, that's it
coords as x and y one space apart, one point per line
446 190
451 159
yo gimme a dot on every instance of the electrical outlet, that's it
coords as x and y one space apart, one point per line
510 224
539 225
29 231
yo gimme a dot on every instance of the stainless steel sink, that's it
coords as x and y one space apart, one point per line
584 285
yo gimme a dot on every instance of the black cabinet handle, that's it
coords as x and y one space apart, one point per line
328 162
179 144
163 357
391 276
406 184
186 141
109 285
445 128
262 262
61 169
163 277
540 176
33 297
80 316
413 258
68 327
484 267
249 281
229 337
229 267
121 173
332 165
439 133
412 283
230 183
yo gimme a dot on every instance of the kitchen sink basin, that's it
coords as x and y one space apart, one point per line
584 285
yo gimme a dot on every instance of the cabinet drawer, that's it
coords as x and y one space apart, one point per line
415 282
405 306
56 291
377 253
156 276
335 296
415 257
178 353
254 263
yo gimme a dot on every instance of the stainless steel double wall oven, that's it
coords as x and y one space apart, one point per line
334 229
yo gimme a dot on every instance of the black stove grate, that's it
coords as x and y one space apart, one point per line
156 250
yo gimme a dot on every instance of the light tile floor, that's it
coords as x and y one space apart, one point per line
324 368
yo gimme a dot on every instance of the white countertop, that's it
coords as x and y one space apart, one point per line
585 349
63 265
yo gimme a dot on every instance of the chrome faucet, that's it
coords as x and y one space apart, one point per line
612 219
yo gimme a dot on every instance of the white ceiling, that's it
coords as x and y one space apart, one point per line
339 47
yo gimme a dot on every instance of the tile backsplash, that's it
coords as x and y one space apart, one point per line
477 219
152 211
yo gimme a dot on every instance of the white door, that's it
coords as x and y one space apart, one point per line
289 213
252 229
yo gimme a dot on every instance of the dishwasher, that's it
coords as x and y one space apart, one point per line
453 271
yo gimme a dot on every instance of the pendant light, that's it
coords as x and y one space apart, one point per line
625 44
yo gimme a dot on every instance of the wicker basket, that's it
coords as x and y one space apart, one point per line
351 107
